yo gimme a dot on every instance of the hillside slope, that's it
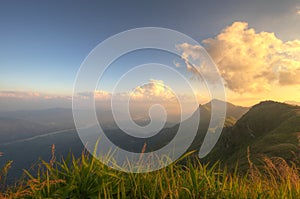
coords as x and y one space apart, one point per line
269 129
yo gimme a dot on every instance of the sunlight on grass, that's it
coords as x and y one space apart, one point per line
86 177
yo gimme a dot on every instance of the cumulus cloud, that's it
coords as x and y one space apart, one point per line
155 90
196 63
142 98
100 95
249 61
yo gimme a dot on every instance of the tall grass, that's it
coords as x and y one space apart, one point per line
86 177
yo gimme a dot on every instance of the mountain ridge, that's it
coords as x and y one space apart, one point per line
269 128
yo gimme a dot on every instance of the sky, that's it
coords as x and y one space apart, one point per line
255 45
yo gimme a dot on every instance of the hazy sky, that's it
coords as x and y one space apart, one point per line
42 44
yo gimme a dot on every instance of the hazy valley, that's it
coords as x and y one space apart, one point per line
267 129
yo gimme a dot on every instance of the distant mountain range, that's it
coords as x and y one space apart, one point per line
233 113
268 128
24 124
19 125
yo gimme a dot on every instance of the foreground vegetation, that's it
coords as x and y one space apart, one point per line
86 177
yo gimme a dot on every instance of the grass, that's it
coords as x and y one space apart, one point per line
86 177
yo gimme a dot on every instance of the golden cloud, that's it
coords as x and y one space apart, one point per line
102 95
154 90
249 61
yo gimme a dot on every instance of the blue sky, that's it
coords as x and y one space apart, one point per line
43 43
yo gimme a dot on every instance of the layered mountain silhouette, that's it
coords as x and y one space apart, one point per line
17 125
162 138
13 129
266 129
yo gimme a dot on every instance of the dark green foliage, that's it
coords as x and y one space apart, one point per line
268 129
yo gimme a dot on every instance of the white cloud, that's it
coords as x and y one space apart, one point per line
143 97
249 61
155 90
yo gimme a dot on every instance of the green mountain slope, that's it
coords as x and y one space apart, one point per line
233 112
269 129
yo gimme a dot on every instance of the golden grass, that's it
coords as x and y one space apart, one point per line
86 177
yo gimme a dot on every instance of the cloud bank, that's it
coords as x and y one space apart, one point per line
152 92
249 61
142 98
23 100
